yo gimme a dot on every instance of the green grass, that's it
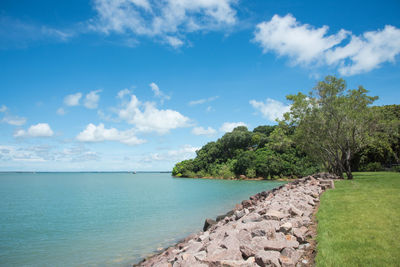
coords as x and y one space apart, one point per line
359 222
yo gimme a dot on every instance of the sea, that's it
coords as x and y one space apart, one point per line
106 219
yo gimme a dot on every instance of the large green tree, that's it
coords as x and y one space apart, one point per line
333 123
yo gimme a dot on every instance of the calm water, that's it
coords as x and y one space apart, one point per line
102 219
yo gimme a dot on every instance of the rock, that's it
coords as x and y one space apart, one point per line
258 232
274 215
194 247
295 211
253 217
239 214
265 230
204 236
305 246
201 255
246 203
240 263
267 258
238 207
286 261
300 233
286 227
221 217
208 223
291 253
278 243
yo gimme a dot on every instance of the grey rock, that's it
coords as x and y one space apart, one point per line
267 258
295 211
252 217
286 261
239 214
274 215
300 233
286 227
291 253
208 223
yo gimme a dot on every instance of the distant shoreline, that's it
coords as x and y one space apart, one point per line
85 171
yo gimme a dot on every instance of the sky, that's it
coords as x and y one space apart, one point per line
140 84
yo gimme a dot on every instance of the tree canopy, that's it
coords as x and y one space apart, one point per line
332 128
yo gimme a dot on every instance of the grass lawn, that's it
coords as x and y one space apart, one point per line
359 222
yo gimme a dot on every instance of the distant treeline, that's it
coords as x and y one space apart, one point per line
331 129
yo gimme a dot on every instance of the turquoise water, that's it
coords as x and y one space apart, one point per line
103 219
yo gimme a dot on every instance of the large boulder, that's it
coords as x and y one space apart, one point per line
208 223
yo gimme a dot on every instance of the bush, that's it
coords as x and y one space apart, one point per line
396 168
251 173
372 167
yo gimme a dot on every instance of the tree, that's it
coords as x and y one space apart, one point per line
332 123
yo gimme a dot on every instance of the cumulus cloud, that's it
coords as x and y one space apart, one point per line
121 94
270 109
168 20
367 52
148 118
3 108
305 44
158 93
37 130
203 131
73 99
99 133
92 99
229 126
202 101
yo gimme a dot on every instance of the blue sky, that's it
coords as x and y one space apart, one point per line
141 84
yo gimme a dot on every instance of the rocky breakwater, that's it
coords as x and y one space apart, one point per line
272 228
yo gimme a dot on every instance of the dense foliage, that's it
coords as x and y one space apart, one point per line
332 128
267 151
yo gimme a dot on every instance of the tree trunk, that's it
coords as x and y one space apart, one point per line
348 165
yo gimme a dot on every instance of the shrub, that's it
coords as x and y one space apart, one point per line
251 173
396 168
373 167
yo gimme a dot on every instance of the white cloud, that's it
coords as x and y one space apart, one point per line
148 118
43 153
367 52
202 101
158 93
92 99
308 45
183 153
99 133
229 126
271 109
14 120
37 130
61 111
168 20
3 108
73 99
174 41
202 131
121 94
301 42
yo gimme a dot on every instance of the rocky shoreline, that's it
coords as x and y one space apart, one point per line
272 228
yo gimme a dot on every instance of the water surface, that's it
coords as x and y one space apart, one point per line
102 219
